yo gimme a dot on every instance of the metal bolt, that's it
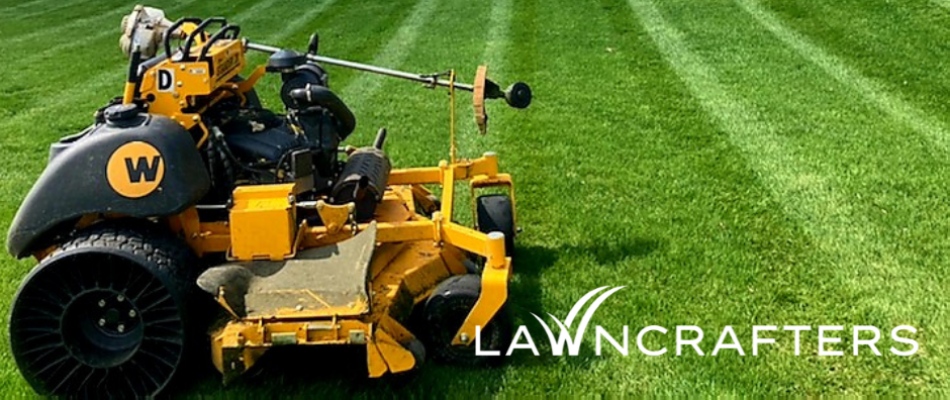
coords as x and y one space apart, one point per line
102 303
120 298
299 307
132 313
102 322
121 328
464 338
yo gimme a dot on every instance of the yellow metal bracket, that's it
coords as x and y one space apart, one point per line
246 85
335 218
493 297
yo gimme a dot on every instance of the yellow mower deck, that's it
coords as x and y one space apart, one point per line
331 291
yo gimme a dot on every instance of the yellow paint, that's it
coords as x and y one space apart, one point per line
262 222
171 87
335 217
397 358
135 169
492 298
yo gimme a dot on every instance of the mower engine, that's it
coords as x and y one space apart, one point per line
253 145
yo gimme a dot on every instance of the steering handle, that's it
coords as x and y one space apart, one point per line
220 34
201 28
166 38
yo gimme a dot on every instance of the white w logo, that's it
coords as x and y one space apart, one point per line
574 344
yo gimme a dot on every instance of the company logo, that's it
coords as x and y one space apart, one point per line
569 335
564 339
135 169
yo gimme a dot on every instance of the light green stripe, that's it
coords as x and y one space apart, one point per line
845 240
873 92
361 89
67 31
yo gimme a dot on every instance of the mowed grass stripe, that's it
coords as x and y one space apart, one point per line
289 28
873 92
871 161
56 28
901 45
942 3
25 16
297 23
359 91
470 142
10 10
899 179
494 56
67 30
622 182
499 26
808 195
17 18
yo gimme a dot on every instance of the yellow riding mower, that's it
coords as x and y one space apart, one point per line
185 192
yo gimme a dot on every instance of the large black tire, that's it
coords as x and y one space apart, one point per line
496 214
446 310
104 315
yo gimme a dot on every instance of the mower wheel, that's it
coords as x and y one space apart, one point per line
496 214
418 350
103 315
444 313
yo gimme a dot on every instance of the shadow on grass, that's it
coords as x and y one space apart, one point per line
328 371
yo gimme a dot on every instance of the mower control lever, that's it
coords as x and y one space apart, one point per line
199 30
222 33
174 30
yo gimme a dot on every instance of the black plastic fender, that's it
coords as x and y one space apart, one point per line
136 165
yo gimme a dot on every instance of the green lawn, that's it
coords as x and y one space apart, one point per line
732 162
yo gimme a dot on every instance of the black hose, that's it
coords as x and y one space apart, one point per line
314 95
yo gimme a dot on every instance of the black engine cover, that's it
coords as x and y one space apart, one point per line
267 146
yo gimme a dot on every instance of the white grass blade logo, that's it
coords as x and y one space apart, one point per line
572 329
574 343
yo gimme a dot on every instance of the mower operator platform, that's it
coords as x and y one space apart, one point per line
323 281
